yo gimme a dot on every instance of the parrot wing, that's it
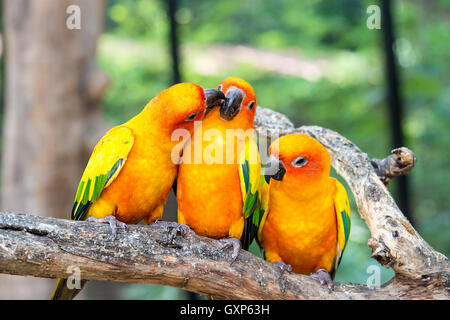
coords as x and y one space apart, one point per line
104 165
250 178
107 159
342 208
264 210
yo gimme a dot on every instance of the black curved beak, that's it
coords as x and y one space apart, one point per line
214 98
275 169
233 103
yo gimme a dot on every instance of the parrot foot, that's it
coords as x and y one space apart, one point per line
232 242
323 277
283 266
173 228
113 223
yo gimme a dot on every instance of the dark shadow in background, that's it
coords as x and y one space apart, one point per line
395 103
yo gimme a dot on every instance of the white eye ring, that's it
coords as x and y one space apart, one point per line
251 105
299 162
192 116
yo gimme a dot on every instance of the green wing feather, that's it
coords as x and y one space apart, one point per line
264 211
250 177
105 163
343 218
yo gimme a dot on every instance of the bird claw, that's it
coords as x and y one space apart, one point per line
283 266
232 242
181 229
323 277
113 223
173 228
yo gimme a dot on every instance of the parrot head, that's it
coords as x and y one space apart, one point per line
240 101
182 104
299 163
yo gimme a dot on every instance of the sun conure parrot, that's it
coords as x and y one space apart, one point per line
218 195
130 172
306 224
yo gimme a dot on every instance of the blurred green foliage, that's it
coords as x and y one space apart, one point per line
347 93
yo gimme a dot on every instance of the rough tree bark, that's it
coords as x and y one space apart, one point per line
401 161
52 114
45 247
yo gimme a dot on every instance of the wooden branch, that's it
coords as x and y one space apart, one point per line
398 163
46 247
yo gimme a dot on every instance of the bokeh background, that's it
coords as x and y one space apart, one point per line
315 61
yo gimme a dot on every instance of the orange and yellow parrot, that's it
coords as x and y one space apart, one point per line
219 194
306 224
131 170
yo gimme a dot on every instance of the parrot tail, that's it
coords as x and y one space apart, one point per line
62 292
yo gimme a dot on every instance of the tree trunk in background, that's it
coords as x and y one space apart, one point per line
52 113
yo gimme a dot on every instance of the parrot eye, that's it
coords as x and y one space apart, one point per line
251 105
299 162
220 87
192 116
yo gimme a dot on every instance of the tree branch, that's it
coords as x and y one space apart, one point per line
398 163
46 247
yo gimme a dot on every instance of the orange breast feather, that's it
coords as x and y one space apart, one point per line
209 195
142 186
303 235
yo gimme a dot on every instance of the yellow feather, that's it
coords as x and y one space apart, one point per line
251 154
115 145
341 204
265 188
108 157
